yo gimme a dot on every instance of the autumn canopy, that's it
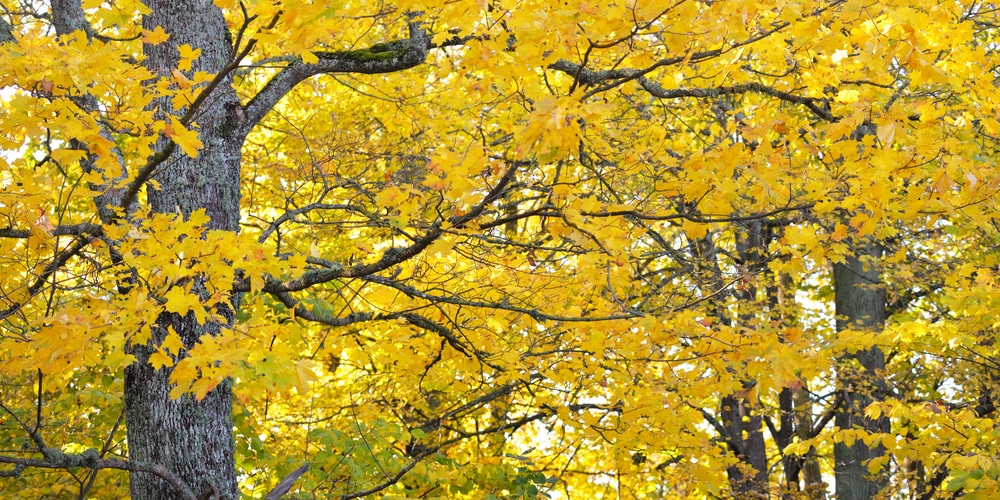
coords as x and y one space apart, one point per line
499 249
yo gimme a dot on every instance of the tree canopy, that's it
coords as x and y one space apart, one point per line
499 249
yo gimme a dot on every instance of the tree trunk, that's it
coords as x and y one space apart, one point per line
812 477
192 439
743 426
860 304
747 437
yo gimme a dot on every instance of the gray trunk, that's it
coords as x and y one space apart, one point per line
860 303
191 439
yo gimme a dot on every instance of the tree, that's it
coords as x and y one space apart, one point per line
498 249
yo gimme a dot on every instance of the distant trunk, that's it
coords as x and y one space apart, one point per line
812 477
747 437
192 439
860 304
743 426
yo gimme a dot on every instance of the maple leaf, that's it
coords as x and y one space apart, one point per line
186 139
188 55
159 359
155 37
438 228
179 301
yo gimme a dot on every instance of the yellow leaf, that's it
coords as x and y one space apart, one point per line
839 233
875 465
155 37
886 133
182 81
873 411
304 374
186 139
308 57
173 342
160 359
179 301
188 55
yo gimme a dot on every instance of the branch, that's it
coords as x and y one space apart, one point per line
827 416
73 229
89 459
609 79
358 317
393 479
145 173
533 313
306 314
392 257
286 484
700 218
819 107
57 263
387 57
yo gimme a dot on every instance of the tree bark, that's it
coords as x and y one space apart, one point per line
192 439
860 304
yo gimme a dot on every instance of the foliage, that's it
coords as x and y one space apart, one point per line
545 259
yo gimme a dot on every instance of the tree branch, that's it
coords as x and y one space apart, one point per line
286 483
819 107
72 229
387 57
392 479
392 257
89 459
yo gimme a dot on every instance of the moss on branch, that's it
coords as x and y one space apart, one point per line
380 52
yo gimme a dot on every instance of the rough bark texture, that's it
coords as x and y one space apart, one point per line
860 303
192 439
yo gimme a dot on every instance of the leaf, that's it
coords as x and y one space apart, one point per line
308 57
305 373
155 37
179 302
172 342
182 81
188 55
160 359
186 139
956 482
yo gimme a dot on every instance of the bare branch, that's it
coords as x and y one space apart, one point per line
72 229
388 57
392 479
89 459
286 484
819 107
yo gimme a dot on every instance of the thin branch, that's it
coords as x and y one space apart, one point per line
71 229
392 479
391 257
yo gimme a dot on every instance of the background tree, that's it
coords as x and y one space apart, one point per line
507 249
